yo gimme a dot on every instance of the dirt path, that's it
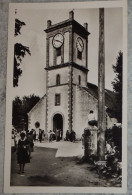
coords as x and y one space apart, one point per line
47 170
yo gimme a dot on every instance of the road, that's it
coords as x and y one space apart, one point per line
47 170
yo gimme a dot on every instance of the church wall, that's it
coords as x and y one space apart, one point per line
76 102
62 108
58 60
63 72
83 75
75 59
37 114
83 103
66 47
50 51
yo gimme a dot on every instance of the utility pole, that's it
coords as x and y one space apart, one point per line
101 90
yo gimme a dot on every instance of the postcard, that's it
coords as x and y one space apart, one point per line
66 124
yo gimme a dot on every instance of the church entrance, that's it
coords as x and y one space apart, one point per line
58 125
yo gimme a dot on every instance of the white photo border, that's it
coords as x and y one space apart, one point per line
7 163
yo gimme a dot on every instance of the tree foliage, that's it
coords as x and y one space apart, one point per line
18 26
20 109
117 85
19 53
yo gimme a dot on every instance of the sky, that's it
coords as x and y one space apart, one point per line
33 36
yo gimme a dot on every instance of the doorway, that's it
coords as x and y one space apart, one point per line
58 124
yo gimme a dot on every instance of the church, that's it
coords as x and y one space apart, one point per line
69 97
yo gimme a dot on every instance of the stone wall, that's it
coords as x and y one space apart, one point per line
61 109
63 72
66 47
83 103
83 75
75 59
51 52
37 114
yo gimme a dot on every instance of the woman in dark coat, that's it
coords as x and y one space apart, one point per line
67 135
30 142
22 152
40 135
72 136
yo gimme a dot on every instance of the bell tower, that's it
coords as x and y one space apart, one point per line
66 67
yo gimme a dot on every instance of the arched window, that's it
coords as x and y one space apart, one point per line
58 79
79 80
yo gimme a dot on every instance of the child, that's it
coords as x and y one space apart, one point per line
22 153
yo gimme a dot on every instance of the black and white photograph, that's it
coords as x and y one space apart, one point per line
66 98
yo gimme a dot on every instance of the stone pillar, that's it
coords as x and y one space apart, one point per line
47 51
54 56
90 142
70 99
101 90
49 23
71 46
70 80
47 65
71 15
86 27
62 54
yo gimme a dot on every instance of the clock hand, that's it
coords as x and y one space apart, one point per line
58 41
80 43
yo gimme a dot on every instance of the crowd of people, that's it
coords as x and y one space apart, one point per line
57 135
70 136
25 145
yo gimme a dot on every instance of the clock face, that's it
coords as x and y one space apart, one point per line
58 40
79 44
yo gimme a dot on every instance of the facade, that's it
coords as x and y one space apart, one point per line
68 99
37 114
66 67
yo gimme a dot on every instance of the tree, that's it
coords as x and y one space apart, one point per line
17 113
18 26
21 107
19 53
117 85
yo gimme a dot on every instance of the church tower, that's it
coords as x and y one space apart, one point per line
66 68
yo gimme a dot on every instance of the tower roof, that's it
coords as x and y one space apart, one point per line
75 25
